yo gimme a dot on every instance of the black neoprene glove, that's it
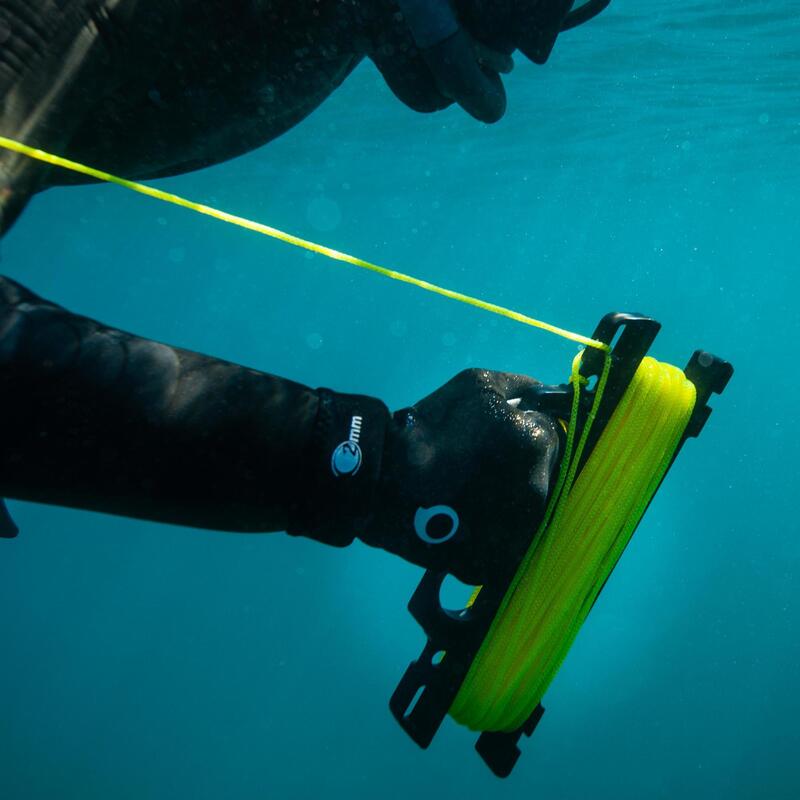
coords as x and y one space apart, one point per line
435 52
457 482
466 476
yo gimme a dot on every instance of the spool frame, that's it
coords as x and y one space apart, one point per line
428 687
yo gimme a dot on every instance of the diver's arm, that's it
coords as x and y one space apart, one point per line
57 61
96 418
92 417
435 52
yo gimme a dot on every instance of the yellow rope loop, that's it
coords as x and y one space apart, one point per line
575 378
295 241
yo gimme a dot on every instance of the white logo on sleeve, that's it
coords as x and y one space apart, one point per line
347 457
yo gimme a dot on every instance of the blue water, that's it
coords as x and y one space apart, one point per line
651 165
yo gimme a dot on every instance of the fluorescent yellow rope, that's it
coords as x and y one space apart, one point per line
266 230
573 555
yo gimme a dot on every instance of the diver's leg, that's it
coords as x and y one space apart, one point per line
56 60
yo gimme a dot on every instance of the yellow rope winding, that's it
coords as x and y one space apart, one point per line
588 525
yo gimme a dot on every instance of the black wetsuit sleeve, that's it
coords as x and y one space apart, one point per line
96 418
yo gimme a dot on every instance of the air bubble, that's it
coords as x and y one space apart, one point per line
314 341
323 214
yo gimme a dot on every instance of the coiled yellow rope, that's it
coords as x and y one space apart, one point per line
575 550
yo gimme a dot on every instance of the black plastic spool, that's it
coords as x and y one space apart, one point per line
429 686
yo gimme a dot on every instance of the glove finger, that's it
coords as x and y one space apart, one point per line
543 442
492 60
412 83
487 100
458 75
538 45
537 30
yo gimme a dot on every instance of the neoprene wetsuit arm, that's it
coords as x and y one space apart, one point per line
96 418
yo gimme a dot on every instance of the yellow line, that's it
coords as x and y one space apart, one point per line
266 230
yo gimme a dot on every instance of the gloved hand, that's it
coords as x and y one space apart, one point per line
435 52
530 26
466 476
97 418
459 484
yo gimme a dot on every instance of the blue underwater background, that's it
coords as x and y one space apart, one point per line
651 165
